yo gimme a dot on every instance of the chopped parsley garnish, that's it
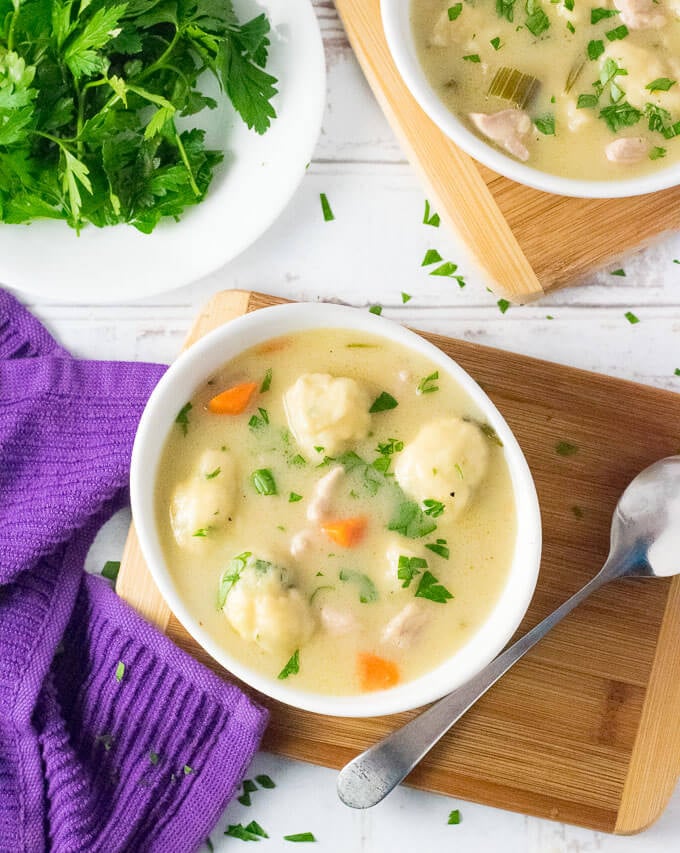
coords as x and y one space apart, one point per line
506 9
382 464
657 153
586 101
292 667
619 272
383 403
367 591
375 309
495 43
431 219
503 305
546 124
298 461
595 49
392 445
454 11
632 319
472 57
265 781
259 421
264 482
213 474
431 257
597 15
446 270
571 27
565 448
454 817
328 215
252 832
658 118
120 671
405 297
620 115
617 33
209 845
430 588
183 418
230 576
293 498
201 533
408 568
676 371
111 569
661 84
411 521
433 508
537 22
300 836
267 381
428 385
440 548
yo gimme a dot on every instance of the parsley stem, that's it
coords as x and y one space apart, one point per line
12 26
185 160
161 59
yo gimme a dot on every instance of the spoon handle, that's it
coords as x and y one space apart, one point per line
371 776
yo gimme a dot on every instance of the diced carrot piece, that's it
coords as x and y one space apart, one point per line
376 673
346 532
234 400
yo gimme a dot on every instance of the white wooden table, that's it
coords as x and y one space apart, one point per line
370 254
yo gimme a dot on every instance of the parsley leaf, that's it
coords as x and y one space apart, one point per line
620 115
546 124
300 836
410 520
110 569
454 11
367 591
440 548
430 588
264 482
328 215
383 403
428 384
292 667
408 568
429 218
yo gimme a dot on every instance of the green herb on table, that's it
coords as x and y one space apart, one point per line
565 448
429 218
430 588
110 570
431 257
264 482
367 591
440 548
428 385
300 836
292 667
503 305
408 568
248 788
182 418
213 474
676 372
267 381
446 270
265 781
546 124
411 521
454 818
383 403
328 215
405 297
454 11
619 272
632 318
120 671
209 845
376 309
252 832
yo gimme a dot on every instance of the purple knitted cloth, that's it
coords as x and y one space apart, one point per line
89 760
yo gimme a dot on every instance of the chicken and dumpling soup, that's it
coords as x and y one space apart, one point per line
586 89
335 511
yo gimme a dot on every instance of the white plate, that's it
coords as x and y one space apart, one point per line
250 189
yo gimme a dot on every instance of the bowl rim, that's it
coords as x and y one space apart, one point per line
398 33
194 366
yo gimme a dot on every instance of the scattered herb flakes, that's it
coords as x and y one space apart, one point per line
264 482
110 569
265 781
383 403
411 521
661 84
619 272
597 15
201 533
446 270
586 101
153 757
405 297
440 548
571 27
676 371
237 830
209 845
549 317
595 49
408 568
454 11
292 667
182 418
472 57
506 9
676 260
432 219
620 115
537 22
433 508
120 671
430 588
577 511
300 836
328 215
496 43
632 318
382 464
565 448
617 33
546 124
432 256
230 576
367 591
297 461
503 305
656 153
454 818
255 828
260 420
293 498
392 445
213 474
428 385
267 381
376 309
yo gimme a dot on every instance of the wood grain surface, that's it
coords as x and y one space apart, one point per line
527 241
582 730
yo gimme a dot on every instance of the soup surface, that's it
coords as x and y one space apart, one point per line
348 528
584 89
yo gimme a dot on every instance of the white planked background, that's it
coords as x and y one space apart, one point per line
369 254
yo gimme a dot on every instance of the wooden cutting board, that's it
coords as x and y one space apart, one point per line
585 728
528 241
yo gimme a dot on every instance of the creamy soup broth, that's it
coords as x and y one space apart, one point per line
310 587
606 104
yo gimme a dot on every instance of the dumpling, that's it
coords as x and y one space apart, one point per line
445 462
264 608
206 500
328 412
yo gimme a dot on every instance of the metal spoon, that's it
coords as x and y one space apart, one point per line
645 542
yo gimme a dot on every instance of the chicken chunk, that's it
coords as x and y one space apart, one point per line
641 14
263 607
446 461
206 500
320 505
337 622
507 128
627 150
327 412
403 629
